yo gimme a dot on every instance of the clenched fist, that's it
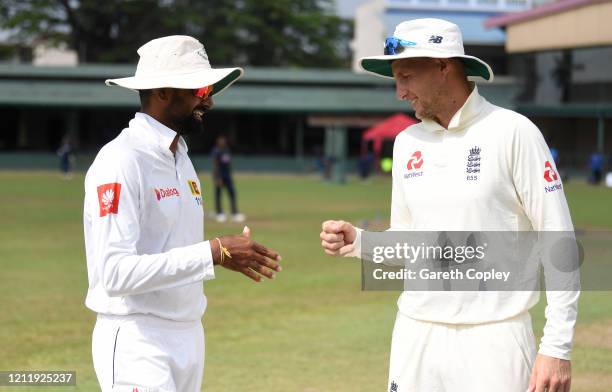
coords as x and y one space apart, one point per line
337 237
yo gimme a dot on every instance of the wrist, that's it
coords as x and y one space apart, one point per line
215 251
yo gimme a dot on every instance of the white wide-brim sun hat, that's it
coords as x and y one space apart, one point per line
428 37
176 61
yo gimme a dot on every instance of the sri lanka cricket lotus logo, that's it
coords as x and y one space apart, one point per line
108 198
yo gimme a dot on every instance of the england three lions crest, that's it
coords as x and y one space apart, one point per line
472 168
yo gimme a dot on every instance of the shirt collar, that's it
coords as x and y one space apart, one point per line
470 109
162 135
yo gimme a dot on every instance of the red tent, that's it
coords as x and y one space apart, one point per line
386 130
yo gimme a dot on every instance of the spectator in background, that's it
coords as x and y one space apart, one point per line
365 165
555 156
366 160
66 156
562 172
323 163
222 176
596 164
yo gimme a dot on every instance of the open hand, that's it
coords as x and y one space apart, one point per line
247 256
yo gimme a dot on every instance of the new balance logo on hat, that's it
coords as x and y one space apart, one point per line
435 39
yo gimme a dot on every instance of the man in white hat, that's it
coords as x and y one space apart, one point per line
466 340
144 234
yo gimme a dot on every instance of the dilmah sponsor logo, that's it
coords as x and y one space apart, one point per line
164 193
414 163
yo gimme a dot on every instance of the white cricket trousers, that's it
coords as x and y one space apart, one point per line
436 357
143 353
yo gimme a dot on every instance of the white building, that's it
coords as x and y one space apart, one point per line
376 20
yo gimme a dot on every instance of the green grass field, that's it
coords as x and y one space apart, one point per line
311 329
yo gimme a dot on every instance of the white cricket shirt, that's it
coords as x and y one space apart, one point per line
144 227
515 188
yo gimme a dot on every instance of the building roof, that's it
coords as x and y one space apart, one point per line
568 24
261 90
538 12
100 72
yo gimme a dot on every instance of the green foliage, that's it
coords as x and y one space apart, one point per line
236 32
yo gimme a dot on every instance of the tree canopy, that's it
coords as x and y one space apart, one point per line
237 32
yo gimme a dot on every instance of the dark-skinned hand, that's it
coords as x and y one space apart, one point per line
248 257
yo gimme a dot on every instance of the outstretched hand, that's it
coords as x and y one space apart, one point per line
247 256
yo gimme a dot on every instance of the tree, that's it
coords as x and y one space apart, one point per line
240 32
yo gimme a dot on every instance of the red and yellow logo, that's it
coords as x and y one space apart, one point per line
194 188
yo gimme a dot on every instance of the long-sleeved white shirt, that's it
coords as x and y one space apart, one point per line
515 188
144 227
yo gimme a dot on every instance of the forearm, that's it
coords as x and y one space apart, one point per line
561 313
128 274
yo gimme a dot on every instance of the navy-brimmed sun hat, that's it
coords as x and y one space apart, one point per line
428 37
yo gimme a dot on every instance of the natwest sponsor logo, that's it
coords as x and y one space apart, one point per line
550 174
553 188
414 163
167 192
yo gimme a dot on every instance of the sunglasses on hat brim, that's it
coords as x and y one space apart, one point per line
203 92
395 46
